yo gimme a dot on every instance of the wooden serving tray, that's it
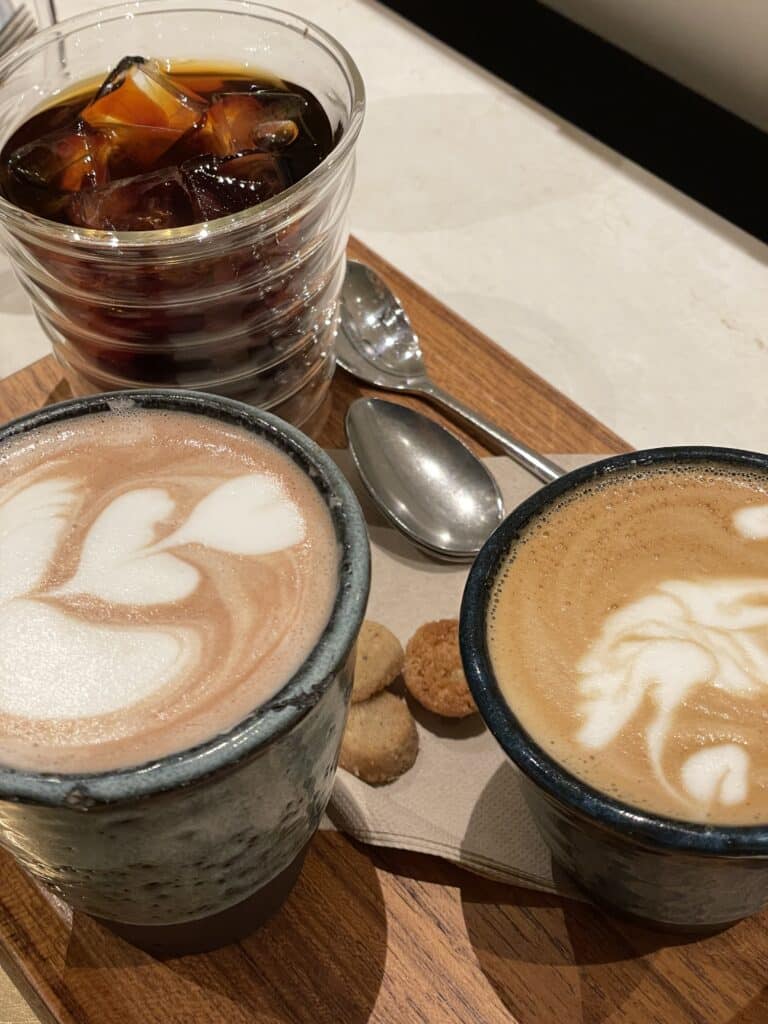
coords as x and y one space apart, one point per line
383 935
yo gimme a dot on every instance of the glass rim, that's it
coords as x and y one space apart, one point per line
254 216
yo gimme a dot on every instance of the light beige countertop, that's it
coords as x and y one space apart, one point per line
639 304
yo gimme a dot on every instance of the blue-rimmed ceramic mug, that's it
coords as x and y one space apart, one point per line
194 849
676 874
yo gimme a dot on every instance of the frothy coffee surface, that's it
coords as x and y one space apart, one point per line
629 634
161 575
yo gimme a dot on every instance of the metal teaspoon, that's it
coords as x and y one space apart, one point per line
423 479
377 344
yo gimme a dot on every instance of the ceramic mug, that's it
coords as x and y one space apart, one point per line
196 848
675 874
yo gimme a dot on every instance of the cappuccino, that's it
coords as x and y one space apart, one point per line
161 575
628 632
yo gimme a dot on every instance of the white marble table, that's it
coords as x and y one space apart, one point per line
635 301
639 304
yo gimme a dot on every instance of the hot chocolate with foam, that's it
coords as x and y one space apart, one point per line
161 575
628 631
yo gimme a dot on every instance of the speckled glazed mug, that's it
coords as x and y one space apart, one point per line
674 874
197 848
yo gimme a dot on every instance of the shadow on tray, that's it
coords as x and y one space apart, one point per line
303 965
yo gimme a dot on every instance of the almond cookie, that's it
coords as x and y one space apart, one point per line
380 741
433 672
379 660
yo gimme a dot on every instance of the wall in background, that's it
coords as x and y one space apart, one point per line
708 153
717 47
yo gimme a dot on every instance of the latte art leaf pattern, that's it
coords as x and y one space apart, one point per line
122 564
31 522
628 631
717 774
154 592
662 646
249 515
35 688
117 562
752 522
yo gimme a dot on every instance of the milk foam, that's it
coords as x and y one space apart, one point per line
54 665
752 522
117 563
660 648
250 515
717 775
153 597
31 523
630 633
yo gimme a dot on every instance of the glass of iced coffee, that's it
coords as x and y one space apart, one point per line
174 182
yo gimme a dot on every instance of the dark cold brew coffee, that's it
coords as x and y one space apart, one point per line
159 145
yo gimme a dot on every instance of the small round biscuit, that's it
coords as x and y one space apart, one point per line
433 672
380 741
379 660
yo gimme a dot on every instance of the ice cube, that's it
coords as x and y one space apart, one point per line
272 136
240 121
278 105
64 161
225 185
147 202
138 94
136 149
117 75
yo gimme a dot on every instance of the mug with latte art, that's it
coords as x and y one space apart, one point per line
183 581
614 632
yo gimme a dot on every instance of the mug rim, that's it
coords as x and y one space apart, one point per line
540 767
269 720
218 227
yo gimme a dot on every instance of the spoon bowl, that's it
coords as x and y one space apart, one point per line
376 341
422 478
377 344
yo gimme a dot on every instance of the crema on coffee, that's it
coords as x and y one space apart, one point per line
628 631
161 575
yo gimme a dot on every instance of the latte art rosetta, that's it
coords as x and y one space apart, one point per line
101 668
629 634
149 600
248 515
662 647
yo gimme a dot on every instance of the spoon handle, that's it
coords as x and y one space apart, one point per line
541 467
